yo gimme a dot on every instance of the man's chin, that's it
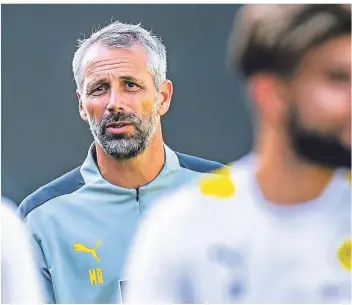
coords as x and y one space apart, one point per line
122 149
320 149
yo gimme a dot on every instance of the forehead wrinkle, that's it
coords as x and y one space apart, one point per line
114 73
101 62
117 68
123 59
109 66
128 67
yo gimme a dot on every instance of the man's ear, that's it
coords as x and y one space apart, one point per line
166 91
269 95
82 111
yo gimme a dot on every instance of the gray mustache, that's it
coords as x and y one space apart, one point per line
118 117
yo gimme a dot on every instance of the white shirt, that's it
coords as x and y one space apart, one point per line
19 282
247 160
9 203
221 242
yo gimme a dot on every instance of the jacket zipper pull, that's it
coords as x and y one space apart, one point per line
137 194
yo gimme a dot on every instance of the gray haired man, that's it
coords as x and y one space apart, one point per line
82 223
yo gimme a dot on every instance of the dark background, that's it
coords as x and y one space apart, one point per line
42 133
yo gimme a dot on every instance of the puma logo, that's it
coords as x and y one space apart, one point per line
92 251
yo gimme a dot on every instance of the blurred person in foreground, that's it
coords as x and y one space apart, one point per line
19 280
83 222
8 203
280 233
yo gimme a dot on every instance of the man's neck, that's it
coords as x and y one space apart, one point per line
285 179
135 172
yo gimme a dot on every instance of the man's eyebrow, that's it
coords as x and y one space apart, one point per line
96 82
130 78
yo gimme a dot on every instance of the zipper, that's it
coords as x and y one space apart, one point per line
137 199
137 194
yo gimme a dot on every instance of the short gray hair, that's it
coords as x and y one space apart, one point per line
124 35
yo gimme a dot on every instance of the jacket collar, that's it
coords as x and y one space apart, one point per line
90 171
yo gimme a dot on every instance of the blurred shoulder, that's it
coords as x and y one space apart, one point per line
13 231
212 193
7 214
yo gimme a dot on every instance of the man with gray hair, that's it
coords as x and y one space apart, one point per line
82 223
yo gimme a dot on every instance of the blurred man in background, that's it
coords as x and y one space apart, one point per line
83 222
280 233
19 280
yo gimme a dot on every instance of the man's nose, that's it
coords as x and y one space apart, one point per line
116 103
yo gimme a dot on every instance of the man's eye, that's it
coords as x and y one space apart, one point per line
100 90
131 85
339 76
